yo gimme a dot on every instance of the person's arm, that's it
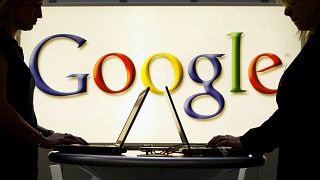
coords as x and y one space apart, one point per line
257 140
13 123
10 120
264 138
44 131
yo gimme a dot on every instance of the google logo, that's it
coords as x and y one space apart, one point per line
178 73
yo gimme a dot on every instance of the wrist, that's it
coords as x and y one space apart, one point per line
47 133
42 139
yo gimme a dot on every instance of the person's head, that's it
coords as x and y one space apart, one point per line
304 13
19 14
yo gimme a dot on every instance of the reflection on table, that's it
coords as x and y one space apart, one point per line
136 165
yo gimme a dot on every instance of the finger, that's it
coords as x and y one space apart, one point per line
75 138
68 141
215 140
81 141
223 143
211 142
70 137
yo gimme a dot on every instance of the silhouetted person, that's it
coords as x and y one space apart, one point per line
20 133
293 127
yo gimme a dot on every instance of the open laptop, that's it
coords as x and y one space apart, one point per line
117 148
198 149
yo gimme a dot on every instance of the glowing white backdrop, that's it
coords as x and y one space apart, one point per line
139 32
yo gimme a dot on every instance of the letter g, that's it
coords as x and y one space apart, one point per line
82 78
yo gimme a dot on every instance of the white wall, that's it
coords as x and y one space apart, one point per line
139 32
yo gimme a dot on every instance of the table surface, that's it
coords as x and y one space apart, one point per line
139 159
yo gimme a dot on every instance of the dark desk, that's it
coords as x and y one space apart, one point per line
130 166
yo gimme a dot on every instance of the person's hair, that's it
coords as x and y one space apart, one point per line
302 34
7 13
283 2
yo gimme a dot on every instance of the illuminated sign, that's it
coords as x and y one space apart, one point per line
178 72
222 64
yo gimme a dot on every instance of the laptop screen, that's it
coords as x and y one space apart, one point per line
132 116
176 118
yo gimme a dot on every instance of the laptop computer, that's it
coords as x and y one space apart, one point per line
198 149
117 148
